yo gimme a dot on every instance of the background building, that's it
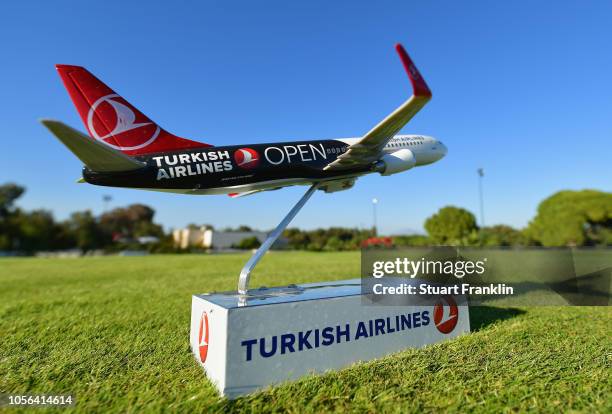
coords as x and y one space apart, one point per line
209 238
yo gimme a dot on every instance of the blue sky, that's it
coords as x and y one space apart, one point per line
522 89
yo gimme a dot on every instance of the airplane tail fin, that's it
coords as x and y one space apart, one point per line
94 154
111 119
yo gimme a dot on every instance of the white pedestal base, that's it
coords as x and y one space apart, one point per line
285 333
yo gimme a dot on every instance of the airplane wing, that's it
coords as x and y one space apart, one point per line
367 150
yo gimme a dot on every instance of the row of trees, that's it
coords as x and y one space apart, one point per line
30 231
580 218
331 239
575 218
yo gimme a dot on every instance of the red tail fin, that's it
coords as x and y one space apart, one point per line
110 118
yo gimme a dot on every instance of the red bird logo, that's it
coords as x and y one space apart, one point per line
203 337
246 158
111 119
446 322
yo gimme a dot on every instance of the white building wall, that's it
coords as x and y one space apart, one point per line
208 238
225 240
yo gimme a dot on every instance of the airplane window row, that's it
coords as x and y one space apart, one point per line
398 144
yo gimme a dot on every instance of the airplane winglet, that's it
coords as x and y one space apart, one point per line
417 81
368 148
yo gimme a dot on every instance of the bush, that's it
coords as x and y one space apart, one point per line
248 243
452 226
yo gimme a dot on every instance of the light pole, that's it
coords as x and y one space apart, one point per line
480 172
106 199
374 202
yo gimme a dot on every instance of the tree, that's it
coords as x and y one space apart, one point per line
334 244
240 229
194 226
35 230
9 229
248 243
133 221
9 192
501 235
573 218
148 228
412 240
86 232
298 239
334 238
452 225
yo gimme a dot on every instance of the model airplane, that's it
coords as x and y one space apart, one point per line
127 149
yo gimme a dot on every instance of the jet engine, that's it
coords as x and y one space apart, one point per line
395 162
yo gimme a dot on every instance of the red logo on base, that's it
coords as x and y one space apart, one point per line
446 322
246 158
203 337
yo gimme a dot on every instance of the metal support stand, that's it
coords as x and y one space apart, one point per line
245 273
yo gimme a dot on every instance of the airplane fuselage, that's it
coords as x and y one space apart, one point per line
240 168
125 148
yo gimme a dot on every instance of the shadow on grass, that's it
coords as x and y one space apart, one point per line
483 316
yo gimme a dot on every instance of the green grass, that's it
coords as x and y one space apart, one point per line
115 332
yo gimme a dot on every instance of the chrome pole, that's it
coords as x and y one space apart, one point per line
245 273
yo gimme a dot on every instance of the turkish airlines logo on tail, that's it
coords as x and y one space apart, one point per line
246 158
114 119
446 320
203 337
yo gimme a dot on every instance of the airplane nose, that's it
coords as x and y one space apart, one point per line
443 150
440 150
